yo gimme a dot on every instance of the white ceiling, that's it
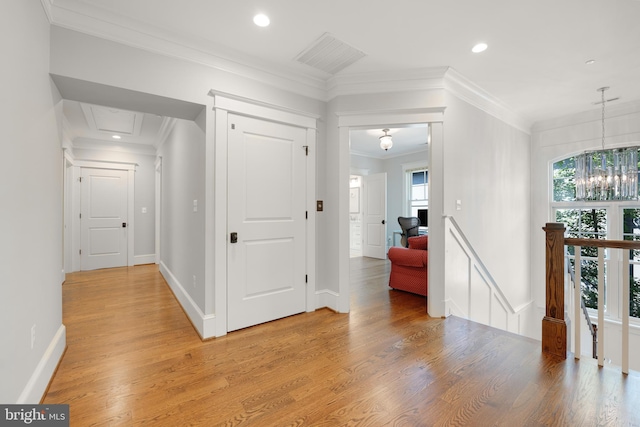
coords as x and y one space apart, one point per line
535 63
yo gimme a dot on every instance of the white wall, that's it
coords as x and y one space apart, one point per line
487 169
182 231
144 234
31 206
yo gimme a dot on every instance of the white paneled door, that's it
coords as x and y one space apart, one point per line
103 218
375 212
266 221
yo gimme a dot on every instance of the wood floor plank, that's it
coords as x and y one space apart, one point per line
133 358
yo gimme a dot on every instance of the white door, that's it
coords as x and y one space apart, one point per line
374 203
266 221
103 218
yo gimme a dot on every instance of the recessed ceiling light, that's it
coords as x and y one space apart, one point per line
116 137
261 20
590 62
480 47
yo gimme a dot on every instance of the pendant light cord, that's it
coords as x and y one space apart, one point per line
602 91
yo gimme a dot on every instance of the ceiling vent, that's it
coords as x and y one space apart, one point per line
329 54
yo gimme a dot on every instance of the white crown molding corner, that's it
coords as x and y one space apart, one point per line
47 6
96 22
386 81
463 88
166 127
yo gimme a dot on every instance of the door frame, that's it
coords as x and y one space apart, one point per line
353 120
73 199
223 104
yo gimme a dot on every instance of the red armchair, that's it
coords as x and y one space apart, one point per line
409 266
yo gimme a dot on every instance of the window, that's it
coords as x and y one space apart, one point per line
586 224
418 191
615 220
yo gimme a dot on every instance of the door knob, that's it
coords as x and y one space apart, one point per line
383 222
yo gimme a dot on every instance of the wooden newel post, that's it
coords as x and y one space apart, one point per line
554 327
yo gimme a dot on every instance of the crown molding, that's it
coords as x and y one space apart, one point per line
165 130
92 20
47 5
463 88
77 16
386 81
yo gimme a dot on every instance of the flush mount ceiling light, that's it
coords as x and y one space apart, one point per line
385 140
116 137
261 20
480 47
607 174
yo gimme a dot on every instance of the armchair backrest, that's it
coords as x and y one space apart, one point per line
410 227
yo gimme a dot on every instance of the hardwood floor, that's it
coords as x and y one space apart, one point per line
133 358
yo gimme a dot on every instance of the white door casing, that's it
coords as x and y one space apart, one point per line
266 210
104 210
375 211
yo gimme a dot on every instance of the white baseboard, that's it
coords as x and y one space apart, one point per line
327 298
39 381
204 324
144 259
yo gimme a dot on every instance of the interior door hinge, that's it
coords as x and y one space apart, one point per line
80 179
306 278
233 126
306 214
80 215
306 149
80 251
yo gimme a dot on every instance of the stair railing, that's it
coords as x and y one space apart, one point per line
593 329
554 327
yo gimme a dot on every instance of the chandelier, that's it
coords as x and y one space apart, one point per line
607 174
385 140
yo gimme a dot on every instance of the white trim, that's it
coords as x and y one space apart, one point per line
158 206
140 35
386 81
37 385
103 164
76 167
167 125
359 119
122 147
211 213
222 105
498 311
144 259
220 119
327 298
47 5
130 217
463 88
247 107
311 219
399 117
205 325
